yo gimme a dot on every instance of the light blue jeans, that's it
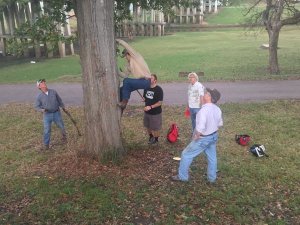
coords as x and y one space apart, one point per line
48 118
208 145
193 112
130 85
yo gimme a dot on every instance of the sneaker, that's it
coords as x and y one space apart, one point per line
176 178
209 183
122 105
44 147
64 139
153 141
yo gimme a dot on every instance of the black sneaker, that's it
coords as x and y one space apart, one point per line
153 141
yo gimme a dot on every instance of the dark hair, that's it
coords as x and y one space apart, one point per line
124 53
154 75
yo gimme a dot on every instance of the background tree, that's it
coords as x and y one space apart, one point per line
277 13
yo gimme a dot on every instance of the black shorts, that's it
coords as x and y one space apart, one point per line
153 122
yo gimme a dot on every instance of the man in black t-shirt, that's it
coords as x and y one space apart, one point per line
153 112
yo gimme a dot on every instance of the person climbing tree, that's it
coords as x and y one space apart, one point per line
138 68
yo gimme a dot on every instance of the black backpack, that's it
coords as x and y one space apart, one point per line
258 150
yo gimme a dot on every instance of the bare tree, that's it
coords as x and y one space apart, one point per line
100 83
276 14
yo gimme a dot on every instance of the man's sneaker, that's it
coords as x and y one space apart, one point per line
44 147
64 139
176 178
211 183
122 105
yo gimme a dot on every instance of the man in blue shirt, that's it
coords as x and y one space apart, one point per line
48 102
205 137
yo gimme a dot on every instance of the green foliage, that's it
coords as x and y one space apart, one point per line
122 11
57 7
43 29
15 47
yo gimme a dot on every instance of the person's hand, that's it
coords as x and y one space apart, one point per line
196 135
147 108
64 109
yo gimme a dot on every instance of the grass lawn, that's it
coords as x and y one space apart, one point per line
58 187
227 16
224 54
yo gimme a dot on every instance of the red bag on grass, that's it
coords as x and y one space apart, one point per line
242 139
173 133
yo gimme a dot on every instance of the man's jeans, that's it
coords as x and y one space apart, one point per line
48 119
204 144
193 112
130 85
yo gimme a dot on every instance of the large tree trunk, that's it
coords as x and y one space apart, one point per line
100 84
273 46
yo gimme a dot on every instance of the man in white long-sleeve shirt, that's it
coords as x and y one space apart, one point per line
205 137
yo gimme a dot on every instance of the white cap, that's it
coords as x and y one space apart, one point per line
39 82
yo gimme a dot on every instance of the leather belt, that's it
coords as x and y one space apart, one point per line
52 112
209 134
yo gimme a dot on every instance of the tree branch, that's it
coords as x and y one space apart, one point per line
292 20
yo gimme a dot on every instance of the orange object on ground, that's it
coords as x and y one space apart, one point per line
187 113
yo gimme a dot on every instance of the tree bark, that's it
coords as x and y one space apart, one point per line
102 136
272 21
273 46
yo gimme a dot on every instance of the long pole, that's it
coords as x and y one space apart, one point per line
73 121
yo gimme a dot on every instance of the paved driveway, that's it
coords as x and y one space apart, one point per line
174 93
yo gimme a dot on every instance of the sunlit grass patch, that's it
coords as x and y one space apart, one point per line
222 54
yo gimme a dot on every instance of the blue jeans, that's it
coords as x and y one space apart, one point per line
130 85
193 112
208 145
48 119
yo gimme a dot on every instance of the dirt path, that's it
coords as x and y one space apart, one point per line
174 93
